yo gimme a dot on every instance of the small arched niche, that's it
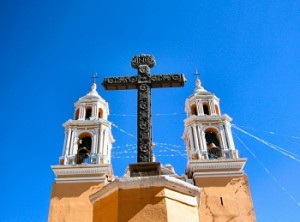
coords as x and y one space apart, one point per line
194 110
84 148
88 113
206 110
100 113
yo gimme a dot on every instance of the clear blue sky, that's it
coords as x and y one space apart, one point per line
246 51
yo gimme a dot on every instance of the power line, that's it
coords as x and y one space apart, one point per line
268 172
272 146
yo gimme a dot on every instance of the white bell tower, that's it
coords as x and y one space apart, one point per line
213 161
88 142
207 133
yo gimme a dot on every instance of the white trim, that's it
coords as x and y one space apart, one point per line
147 182
219 165
82 173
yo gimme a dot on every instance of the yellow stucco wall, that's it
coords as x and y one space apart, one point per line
70 202
233 192
131 205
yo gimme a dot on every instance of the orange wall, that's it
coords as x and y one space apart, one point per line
131 205
145 205
236 198
70 202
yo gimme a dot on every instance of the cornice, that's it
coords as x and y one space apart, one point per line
147 182
206 119
217 167
82 173
91 123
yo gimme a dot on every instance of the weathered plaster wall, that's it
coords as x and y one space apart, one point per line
70 202
181 207
225 199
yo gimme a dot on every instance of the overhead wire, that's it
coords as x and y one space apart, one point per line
268 171
272 146
270 132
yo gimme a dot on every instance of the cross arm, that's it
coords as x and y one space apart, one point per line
167 80
120 83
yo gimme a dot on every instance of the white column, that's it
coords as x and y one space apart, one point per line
105 142
191 139
94 142
222 137
72 148
100 149
212 107
94 111
65 141
198 107
204 140
229 135
68 142
201 111
201 142
82 112
195 137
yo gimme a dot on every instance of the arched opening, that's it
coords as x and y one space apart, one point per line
77 114
194 110
100 113
217 110
213 144
206 109
84 148
88 113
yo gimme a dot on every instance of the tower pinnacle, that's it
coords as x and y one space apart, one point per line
199 87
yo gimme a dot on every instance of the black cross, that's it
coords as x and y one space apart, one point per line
197 74
94 77
143 82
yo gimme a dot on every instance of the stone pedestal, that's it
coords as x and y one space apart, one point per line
144 169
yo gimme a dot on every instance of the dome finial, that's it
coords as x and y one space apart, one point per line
94 85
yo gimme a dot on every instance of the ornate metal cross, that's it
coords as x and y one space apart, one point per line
143 82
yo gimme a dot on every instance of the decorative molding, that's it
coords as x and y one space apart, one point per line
91 123
217 167
82 173
147 182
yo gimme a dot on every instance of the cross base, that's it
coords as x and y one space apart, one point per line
143 169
